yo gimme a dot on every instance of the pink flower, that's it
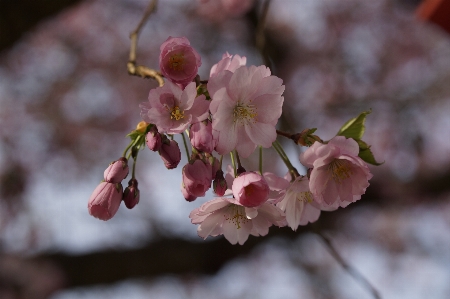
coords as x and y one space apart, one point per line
172 109
338 175
170 153
250 189
153 139
105 200
178 61
131 194
220 216
298 204
201 136
116 171
228 63
245 108
197 178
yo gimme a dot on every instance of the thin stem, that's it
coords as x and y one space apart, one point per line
185 145
127 148
284 134
220 162
139 70
233 163
292 170
350 270
260 159
134 165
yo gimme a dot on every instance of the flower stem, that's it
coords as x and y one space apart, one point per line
185 145
127 148
292 170
260 160
233 163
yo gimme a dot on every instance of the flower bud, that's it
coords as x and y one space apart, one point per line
105 200
153 139
197 178
219 183
201 136
116 171
131 194
170 153
179 62
250 189
186 194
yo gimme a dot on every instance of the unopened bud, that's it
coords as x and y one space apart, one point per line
116 171
186 195
153 139
105 200
170 153
131 194
219 183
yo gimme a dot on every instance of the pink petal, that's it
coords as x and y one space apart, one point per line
261 134
347 146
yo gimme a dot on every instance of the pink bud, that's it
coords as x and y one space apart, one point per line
250 189
170 154
186 195
197 178
105 200
178 61
116 171
131 194
220 184
153 139
201 136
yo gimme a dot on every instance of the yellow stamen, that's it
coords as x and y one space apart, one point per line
244 112
176 113
238 217
176 62
305 197
340 170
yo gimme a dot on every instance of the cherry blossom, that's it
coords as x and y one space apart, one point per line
229 62
338 175
172 109
245 108
197 178
250 189
298 204
179 62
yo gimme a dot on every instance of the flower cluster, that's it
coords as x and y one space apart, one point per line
232 113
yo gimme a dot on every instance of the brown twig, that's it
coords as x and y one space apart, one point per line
140 70
350 270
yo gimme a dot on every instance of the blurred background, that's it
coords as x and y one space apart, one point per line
67 102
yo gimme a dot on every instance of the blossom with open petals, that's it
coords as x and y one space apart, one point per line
245 108
229 62
172 109
179 62
338 175
236 222
298 204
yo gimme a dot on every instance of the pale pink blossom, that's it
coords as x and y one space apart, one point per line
229 62
172 109
236 222
250 189
105 200
201 136
170 153
131 194
178 61
245 108
116 171
197 178
338 175
298 204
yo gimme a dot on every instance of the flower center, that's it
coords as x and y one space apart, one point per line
176 113
244 113
237 216
176 62
305 197
340 170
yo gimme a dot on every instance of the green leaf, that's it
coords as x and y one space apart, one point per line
354 128
366 154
